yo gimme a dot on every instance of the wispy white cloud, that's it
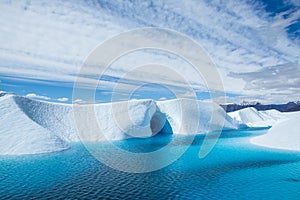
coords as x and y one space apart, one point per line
273 83
63 99
35 96
78 101
295 2
43 97
162 99
277 78
49 40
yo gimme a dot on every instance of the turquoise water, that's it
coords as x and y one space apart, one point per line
234 169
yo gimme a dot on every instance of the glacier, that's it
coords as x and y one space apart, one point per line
29 126
284 127
254 118
283 135
20 135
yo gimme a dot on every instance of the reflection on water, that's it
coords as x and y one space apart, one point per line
234 169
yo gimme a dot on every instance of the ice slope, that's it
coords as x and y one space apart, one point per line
20 135
283 135
174 108
253 118
30 126
56 118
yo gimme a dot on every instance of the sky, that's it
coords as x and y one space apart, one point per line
254 45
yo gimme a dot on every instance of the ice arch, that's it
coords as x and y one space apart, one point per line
159 124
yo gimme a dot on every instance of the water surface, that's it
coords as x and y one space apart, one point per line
234 169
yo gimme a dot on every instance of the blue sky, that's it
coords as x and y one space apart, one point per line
254 44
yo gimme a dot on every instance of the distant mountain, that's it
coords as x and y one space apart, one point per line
288 107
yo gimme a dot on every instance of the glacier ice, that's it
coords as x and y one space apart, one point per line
283 135
29 126
20 135
254 118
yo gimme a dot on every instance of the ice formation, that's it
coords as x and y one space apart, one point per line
29 126
283 135
253 118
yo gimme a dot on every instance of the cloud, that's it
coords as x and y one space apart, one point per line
162 99
279 82
276 78
35 96
78 101
295 2
63 99
51 39
2 92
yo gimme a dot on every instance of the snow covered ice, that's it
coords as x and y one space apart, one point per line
283 135
29 126
21 135
254 118
284 131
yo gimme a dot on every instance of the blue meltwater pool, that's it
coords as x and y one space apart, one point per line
234 169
